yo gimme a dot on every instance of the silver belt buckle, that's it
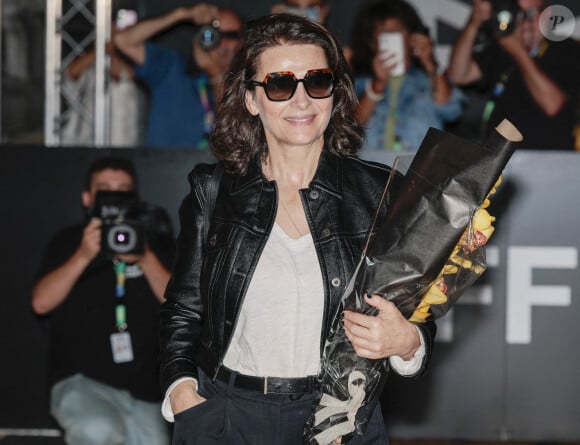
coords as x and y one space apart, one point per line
266 385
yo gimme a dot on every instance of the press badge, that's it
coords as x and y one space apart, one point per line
121 347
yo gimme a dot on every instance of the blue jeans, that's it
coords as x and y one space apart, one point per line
92 413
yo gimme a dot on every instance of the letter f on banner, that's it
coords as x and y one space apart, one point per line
522 294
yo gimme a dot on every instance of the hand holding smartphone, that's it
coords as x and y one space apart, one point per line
125 18
392 44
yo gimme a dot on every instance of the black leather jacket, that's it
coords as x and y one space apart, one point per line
208 285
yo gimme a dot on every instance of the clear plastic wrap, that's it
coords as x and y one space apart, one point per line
421 254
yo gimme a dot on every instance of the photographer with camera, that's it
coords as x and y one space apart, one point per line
184 90
533 80
101 286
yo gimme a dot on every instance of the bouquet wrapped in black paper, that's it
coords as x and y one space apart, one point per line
421 255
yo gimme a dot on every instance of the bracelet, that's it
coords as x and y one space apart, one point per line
374 97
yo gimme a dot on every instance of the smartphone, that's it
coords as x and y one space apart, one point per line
392 42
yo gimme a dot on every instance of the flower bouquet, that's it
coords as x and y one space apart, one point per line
421 255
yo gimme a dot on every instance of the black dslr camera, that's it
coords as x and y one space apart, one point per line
122 230
504 15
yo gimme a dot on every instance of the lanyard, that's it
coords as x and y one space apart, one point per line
207 108
497 91
120 309
391 138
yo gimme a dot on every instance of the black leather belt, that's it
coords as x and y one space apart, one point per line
273 385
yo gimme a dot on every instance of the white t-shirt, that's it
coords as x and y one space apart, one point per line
278 330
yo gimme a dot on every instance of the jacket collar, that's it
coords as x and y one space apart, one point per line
327 177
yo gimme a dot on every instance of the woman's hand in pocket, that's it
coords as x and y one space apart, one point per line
185 396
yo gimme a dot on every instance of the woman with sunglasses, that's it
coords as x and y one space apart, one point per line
250 303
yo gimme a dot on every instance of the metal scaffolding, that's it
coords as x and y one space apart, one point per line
60 100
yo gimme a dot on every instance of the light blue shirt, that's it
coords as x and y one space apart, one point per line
416 112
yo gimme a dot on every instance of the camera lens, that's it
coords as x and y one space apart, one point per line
504 19
122 238
208 37
504 16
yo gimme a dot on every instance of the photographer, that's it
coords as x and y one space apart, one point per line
184 91
533 80
103 311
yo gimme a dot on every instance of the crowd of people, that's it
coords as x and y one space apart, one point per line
520 74
266 244
531 79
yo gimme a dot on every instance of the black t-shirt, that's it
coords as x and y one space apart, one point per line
560 61
81 326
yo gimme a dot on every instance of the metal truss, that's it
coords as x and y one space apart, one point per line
60 100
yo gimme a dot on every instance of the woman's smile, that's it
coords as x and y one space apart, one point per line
301 120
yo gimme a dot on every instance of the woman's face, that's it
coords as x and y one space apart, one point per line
301 120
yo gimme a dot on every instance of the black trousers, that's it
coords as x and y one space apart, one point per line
233 416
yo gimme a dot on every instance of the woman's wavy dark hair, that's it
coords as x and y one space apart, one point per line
237 135
363 29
